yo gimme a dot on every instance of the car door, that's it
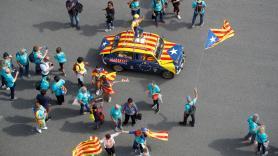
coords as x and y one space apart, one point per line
145 63
121 58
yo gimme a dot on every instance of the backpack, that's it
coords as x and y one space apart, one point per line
199 7
31 57
74 67
78 7
192 109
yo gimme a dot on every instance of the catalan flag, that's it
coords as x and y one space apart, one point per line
216 36
88 148
161 135
111 76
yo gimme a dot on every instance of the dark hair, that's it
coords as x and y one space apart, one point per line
107 136
36 48
129 100
58 49
56 78
145 150
80 59
43 92
110 2
6 54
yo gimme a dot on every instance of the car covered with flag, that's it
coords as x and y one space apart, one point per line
153 54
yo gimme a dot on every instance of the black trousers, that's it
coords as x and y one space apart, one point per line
192 118
110 151
80 83
253 137
259 147
60 99
155 102
127 119
12 89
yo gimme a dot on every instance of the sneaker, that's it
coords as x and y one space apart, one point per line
112 27
8 88
45 128
38 130
77 28
201 24
28 76
107 30
117 129
179 17
84 113
193 26
156 111
182 123
15 98
3 87
162 21
266 153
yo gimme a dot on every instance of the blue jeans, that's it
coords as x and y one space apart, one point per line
195 16
24 70
138 31
74 20
82 108
137 146
109 24
160 14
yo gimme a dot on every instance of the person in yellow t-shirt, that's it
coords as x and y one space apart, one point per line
135 26
80 70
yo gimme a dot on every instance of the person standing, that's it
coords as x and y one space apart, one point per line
38 57
262 139
46 66
176 5
60 57
80 70
96 76
253 124
40 116
154 92
8 60
116 116
135 26
73 13
10 81
158 8
130 110
199 9
43 99
58 87
84 97
23 62
134 5
190 108
140 141
3 68
109 143
110 13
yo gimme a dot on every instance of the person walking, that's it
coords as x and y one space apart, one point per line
190 108
40 116
154 92
43 99
59 89
176 5
110 13
73 13
10 82
130 110
60 57
84 97
38 56
134 5
263 141
46 66
116 116
80 70
140 141
253 125
43 84
3 68
199 9
109 143
23 62
158 8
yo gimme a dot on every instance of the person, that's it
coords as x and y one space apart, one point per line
84 97
96 76
58 87
158 7
43 84
106 86
253 124
134 5
60 57
199 9
190 108
23 62
43 99
135 26
130 110
3 68
176 5
109 143
262 139
110 12
10 81
140 141
116 116
73 13
40 116
154 92
39 56
80 70
46 66
98 116
8 60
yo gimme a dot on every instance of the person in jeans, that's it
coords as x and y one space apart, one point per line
60 57
134 5
43 99
73 13
23 63
10 82
109 143
130 110
3 68
46 66
262 139
140 139
199 9
253 124
158 8
136 28
58 87
189 109
84 97
110 13
116 116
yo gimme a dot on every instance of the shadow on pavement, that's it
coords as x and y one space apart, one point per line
63 113
124 150
51 25
19 119
164 125
23 103
143 106
19 130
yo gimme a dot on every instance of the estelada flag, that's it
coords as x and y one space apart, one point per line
216 36
161 135
111 76
87 148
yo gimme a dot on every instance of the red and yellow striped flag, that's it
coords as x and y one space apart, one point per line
111 76
88 148
224 33
161 135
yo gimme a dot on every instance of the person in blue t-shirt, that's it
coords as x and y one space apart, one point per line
190 108
8 60
140 139
116 116
10 82
134 5
23 62
59 89
158 10
154 92
44 83
3 68
60 57
263 141
84 97
39 56
199 9
253 124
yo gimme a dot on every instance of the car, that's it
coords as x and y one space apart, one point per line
151 53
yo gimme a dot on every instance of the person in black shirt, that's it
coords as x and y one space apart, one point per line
110 12
73 13
43 99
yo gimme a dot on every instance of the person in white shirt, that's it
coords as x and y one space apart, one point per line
46 66
109 143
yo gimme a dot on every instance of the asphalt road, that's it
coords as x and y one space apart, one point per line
237 78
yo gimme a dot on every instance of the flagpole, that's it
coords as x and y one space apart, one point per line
199 69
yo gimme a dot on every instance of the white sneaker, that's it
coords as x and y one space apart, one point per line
107 30
38 130
117 129
8 88
142 40
45 128
178 16
109 99
97 92
112 27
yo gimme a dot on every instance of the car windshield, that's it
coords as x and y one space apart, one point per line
116 41
159 48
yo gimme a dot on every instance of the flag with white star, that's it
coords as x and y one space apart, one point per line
175 52
104 43
216 36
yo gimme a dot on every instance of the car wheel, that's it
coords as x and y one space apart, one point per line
167 75
118 68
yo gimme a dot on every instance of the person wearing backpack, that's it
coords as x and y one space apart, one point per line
189 109
58 87
158 9
253 124
23 62
199 9
73 12
80 70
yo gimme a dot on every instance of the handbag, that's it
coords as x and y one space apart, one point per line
138 116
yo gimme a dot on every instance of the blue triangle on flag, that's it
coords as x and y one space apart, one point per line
211 40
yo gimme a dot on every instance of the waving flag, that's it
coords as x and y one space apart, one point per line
216 36
104 43
87 148
111 76
161 135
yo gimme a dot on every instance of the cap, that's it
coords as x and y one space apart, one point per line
136 16
188 98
